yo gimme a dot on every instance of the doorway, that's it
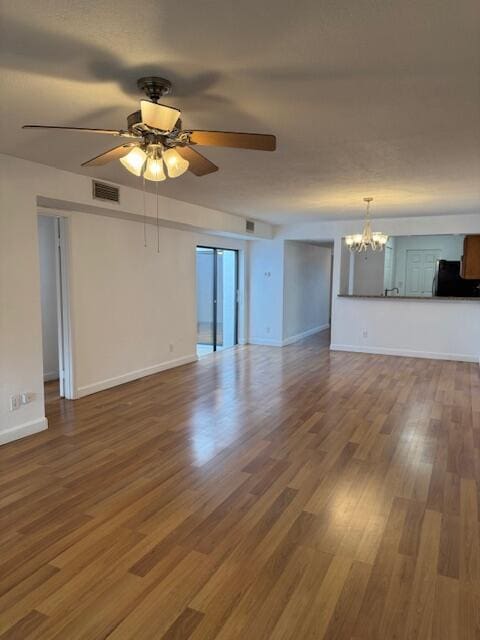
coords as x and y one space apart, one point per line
217 299
56 338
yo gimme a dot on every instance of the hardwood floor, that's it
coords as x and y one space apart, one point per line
265 493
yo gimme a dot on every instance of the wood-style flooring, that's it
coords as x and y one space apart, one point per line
262 493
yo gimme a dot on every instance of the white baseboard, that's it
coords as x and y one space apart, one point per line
22 430
101 385
305 334
269 342
408 353
50 375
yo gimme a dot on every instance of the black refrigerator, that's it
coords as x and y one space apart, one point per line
447 281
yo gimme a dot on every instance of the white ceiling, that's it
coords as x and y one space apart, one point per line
371 97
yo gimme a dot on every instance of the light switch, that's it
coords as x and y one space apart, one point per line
15 402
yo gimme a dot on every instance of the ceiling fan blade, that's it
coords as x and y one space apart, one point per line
198 164
259 141
112 154
159 116
110 132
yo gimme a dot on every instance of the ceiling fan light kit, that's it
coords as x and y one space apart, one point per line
134 161
368 239
159 146
175 164
154 165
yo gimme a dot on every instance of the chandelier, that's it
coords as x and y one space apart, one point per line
368 238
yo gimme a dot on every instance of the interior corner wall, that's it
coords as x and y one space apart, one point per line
306 289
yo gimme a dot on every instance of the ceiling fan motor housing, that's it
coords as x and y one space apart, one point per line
155 87
134 119
136 126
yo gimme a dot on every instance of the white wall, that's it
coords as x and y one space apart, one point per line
109 243
133 307
424 328
368 272
306 288
428 328
266 292
48 294
21 362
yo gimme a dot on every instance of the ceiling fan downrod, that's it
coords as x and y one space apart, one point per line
154 87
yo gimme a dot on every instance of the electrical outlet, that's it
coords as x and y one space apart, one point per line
365 333
26 397
170 347
15 402
267 329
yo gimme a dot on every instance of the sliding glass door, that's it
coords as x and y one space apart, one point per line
217 292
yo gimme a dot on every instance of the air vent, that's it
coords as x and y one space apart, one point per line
103 191
250 226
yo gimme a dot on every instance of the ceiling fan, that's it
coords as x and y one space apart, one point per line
157 139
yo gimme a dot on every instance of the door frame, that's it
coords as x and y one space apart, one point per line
215 292
64 320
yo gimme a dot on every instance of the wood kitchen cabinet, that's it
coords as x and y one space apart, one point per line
470 269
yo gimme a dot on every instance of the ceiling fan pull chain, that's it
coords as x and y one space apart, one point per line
158 224
144 216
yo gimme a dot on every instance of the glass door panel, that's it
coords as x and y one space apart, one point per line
205 300
217 284
226 305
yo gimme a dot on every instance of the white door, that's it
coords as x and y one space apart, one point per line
63 311
60 323
420 271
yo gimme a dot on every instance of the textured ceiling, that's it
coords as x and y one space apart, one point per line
372 97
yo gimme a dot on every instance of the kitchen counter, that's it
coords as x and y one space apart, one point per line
427 298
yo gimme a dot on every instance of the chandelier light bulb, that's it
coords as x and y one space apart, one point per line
134 161
175 164
154 167
154 170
